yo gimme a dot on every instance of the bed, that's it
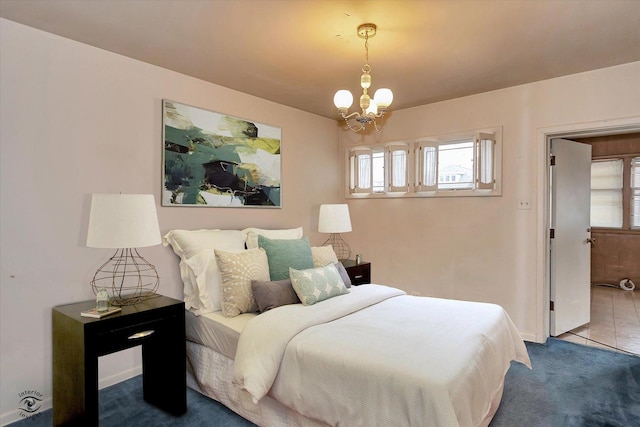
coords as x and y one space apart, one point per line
368 356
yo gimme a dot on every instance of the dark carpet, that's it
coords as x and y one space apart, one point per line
570 385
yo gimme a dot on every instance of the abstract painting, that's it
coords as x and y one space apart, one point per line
213 159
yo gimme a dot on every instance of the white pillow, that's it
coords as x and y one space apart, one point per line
252 234
323 255
205 274
186 243
198 269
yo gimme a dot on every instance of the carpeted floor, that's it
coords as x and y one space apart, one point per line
570 385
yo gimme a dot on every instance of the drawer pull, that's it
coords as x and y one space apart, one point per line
142 334
358 276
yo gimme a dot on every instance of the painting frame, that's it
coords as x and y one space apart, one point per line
212 159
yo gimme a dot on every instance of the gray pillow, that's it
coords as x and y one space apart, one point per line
270 295
343 274
285 253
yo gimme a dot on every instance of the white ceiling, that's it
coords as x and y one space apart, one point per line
298 53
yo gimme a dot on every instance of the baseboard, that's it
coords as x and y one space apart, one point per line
16 414
530 337
119 377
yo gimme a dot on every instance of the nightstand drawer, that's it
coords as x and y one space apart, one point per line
360 274
110 341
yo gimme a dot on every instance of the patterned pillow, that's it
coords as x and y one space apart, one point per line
323 255
238 269
285 253
317 284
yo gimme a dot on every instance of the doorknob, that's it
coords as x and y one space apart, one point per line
591 240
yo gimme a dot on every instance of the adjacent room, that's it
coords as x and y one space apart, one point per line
473 165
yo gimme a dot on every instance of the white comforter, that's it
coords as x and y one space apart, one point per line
378 357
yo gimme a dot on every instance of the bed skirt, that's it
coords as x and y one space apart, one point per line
210 373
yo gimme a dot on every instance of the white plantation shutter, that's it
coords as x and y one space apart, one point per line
427 166
398 158
635 192
485 161
360 161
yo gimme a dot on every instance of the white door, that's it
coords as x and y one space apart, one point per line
570 259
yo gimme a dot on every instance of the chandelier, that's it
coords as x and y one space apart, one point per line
371 108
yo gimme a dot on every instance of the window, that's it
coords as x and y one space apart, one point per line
615 193
606 193
466 164
635 192
455 165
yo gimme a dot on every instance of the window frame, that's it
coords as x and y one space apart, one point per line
627 194
415 166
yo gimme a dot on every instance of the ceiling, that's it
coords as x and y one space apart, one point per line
298 53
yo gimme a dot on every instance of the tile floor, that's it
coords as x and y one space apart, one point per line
615 321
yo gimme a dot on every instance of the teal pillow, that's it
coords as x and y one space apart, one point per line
285 253
317 284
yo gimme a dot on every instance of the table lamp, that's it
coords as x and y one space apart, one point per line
335 219
124 222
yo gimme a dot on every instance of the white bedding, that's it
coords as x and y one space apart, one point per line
377 357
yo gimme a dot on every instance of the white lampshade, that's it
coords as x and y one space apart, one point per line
343 99
383 97
334 219
123 221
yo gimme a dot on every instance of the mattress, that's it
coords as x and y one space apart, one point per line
216 331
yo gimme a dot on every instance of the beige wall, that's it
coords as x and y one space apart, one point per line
485 248
78 120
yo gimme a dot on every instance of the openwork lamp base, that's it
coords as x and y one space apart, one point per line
340 247
127 277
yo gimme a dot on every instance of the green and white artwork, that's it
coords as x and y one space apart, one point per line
213 159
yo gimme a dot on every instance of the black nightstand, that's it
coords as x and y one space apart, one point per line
157 324
360 274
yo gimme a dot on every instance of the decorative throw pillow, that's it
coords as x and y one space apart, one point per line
343 274
323 255
251 235
282 254
270 295
317 284
238 269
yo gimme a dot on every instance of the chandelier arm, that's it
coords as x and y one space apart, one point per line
355 115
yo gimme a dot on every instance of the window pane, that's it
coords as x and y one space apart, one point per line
606 208
399 168
364 171
378 172
606 193
635 192
606 174
455 166
429 178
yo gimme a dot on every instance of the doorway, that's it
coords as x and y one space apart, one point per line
606 305
577 131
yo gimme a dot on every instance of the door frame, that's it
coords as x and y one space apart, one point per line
543 193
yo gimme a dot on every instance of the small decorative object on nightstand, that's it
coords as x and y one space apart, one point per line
360 274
